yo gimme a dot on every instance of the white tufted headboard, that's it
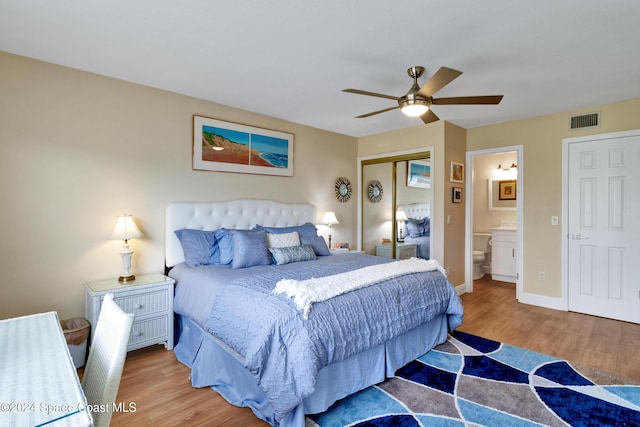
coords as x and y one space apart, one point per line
416 210
242 214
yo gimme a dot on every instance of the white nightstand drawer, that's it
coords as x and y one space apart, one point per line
403 250
149 330
406 251
148 297
141 304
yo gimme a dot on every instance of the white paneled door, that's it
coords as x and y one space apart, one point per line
604 226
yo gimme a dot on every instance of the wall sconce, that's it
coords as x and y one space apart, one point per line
513 165
125 230
400 218
329 219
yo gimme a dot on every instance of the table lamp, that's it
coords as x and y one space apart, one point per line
126 229
400 218
329 219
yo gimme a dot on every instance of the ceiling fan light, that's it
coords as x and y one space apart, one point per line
415 107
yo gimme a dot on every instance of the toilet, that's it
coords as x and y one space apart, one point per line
481 246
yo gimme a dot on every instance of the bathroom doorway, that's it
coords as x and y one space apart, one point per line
495 189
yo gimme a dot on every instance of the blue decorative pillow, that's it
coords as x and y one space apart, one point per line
427 227
317 243
199 247
305 230
292 254
418 227
250 248
225 244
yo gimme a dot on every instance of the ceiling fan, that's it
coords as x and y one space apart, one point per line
418 100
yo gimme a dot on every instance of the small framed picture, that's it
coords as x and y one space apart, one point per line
507 190
456 174
456 195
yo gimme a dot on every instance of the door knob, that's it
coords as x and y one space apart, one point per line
579 237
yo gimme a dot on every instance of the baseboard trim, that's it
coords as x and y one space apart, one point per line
542 301
527 298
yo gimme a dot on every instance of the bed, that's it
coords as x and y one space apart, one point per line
417 230
259 349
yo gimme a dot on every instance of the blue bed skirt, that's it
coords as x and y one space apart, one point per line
214 365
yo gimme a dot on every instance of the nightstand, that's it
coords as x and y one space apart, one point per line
149 298
403 250
344 251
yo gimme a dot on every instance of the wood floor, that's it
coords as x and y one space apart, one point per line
159 386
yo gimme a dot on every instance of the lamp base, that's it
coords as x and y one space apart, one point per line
126 279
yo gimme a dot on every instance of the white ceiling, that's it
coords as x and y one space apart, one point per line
291 59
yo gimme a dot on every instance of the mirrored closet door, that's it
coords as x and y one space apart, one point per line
396 206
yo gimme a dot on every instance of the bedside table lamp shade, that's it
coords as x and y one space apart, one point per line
329 219
126 229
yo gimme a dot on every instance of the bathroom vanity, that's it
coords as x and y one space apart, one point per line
503 254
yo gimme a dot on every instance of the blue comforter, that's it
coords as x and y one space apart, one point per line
280 348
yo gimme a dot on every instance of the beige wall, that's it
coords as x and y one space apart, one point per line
448 143
541 138
78 149
454 213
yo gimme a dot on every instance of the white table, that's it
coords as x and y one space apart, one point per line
38 381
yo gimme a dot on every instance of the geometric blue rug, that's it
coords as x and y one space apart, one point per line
473 381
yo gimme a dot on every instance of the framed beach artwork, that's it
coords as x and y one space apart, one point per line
419 173
232 147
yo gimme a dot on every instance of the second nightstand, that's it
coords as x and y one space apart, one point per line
403 250
149 298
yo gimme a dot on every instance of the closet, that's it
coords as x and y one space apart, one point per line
390 182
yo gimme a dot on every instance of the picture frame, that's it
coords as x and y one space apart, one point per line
494 203
456 195
231 147
507 190
419 173
456 172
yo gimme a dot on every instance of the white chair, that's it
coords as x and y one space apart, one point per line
107 354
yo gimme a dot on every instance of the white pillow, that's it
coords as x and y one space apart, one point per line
283 240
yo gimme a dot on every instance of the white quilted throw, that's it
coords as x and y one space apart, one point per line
306 292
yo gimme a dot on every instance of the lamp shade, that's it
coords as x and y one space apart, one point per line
401 216
125 229
414 107
329 218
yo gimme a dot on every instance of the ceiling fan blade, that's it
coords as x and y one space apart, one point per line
440 79
364 92
429 117
492 99
377 112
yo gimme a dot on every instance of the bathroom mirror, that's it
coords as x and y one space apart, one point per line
498 203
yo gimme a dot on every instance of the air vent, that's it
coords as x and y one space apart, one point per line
590 120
